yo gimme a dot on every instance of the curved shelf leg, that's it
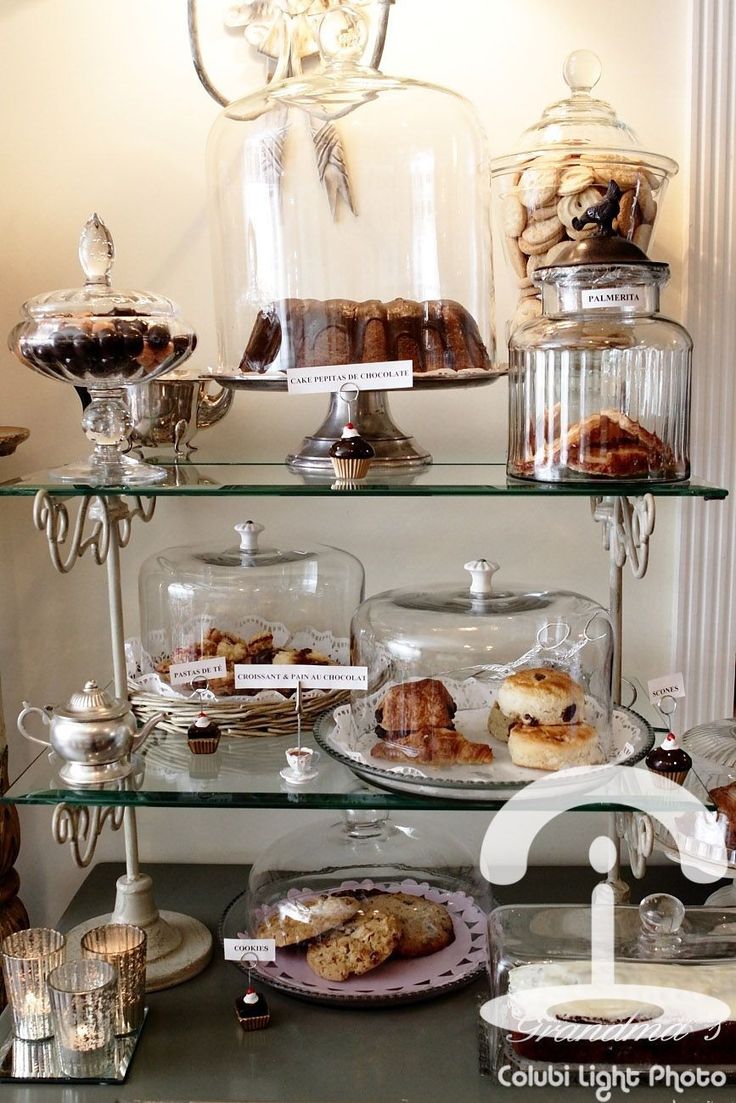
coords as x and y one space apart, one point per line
179 946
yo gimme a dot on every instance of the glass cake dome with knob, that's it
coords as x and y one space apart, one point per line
246 602
350 216
105 339
561 166
410 893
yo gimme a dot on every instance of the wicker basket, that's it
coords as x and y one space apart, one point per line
235 717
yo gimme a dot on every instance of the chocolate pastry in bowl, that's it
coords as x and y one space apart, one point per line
412 706
724 798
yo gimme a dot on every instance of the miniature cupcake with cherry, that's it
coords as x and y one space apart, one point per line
670 760
252 1010
203 736
351 455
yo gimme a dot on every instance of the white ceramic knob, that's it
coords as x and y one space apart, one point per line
481 573
249 533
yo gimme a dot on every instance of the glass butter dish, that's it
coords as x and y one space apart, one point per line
665 997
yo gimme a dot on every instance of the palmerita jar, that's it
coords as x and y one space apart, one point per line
350 215
561 166
599 385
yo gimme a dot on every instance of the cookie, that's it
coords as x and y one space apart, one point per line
517 259
538 237
552 254
575 179
541 695
642 236
647 202
629 215
360 946
539 214
527 310
426 927
538 186
574 206
296 921
514 216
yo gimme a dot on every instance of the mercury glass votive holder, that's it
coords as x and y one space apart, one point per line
28 958
123 946
83 1006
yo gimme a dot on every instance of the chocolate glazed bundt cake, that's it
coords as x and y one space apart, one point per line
437 336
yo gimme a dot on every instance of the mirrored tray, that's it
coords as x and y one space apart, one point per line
631 740
397 980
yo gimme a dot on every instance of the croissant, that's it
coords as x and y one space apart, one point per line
434 747
415 706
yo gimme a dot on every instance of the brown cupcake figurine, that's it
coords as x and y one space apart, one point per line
351 455
203 736
669 760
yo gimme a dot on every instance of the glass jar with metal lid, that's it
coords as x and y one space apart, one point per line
561 166
599 386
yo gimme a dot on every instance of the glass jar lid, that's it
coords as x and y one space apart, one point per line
713 743
249 554
581 122
97 296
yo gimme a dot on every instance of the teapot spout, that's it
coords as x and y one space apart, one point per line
146 730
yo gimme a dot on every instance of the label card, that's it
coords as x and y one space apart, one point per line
386 376
671 685
185 673
602 298
240 949
312 677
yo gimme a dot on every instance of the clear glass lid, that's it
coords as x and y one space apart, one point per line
582 122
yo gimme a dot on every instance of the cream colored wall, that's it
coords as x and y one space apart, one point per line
101 110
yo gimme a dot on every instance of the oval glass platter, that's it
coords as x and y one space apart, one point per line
398 980
631 740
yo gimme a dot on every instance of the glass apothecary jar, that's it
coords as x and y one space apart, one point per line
244 603
561 166
666 998
411 894
599 386
350 217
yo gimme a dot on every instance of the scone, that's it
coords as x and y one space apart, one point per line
499 725
361 945
541 695
414 705
426 927
297 921
434 747
554 747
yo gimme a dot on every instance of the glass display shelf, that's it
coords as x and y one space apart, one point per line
243 773
227 479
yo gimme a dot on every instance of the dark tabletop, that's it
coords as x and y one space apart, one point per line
193 1049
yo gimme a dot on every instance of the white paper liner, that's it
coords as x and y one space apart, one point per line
144 678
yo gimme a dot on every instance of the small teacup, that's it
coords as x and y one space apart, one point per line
302 760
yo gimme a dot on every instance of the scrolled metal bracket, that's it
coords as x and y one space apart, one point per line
636 829
81 827
628 524
99 521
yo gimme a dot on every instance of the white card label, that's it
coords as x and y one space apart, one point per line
240 949
602 298
184 673
312 677
386 376
671 685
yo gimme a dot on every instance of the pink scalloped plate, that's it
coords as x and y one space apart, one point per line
397 980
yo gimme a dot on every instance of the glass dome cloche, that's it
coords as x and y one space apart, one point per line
487 679
350 223
561 166
104 339
245 603
366 911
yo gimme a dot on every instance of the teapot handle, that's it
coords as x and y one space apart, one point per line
27 709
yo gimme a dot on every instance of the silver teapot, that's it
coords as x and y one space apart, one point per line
94 733
171 411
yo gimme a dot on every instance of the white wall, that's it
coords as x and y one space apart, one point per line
101 110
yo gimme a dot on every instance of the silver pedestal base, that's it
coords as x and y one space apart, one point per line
396 452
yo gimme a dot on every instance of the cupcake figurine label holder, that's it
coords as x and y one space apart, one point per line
669 759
